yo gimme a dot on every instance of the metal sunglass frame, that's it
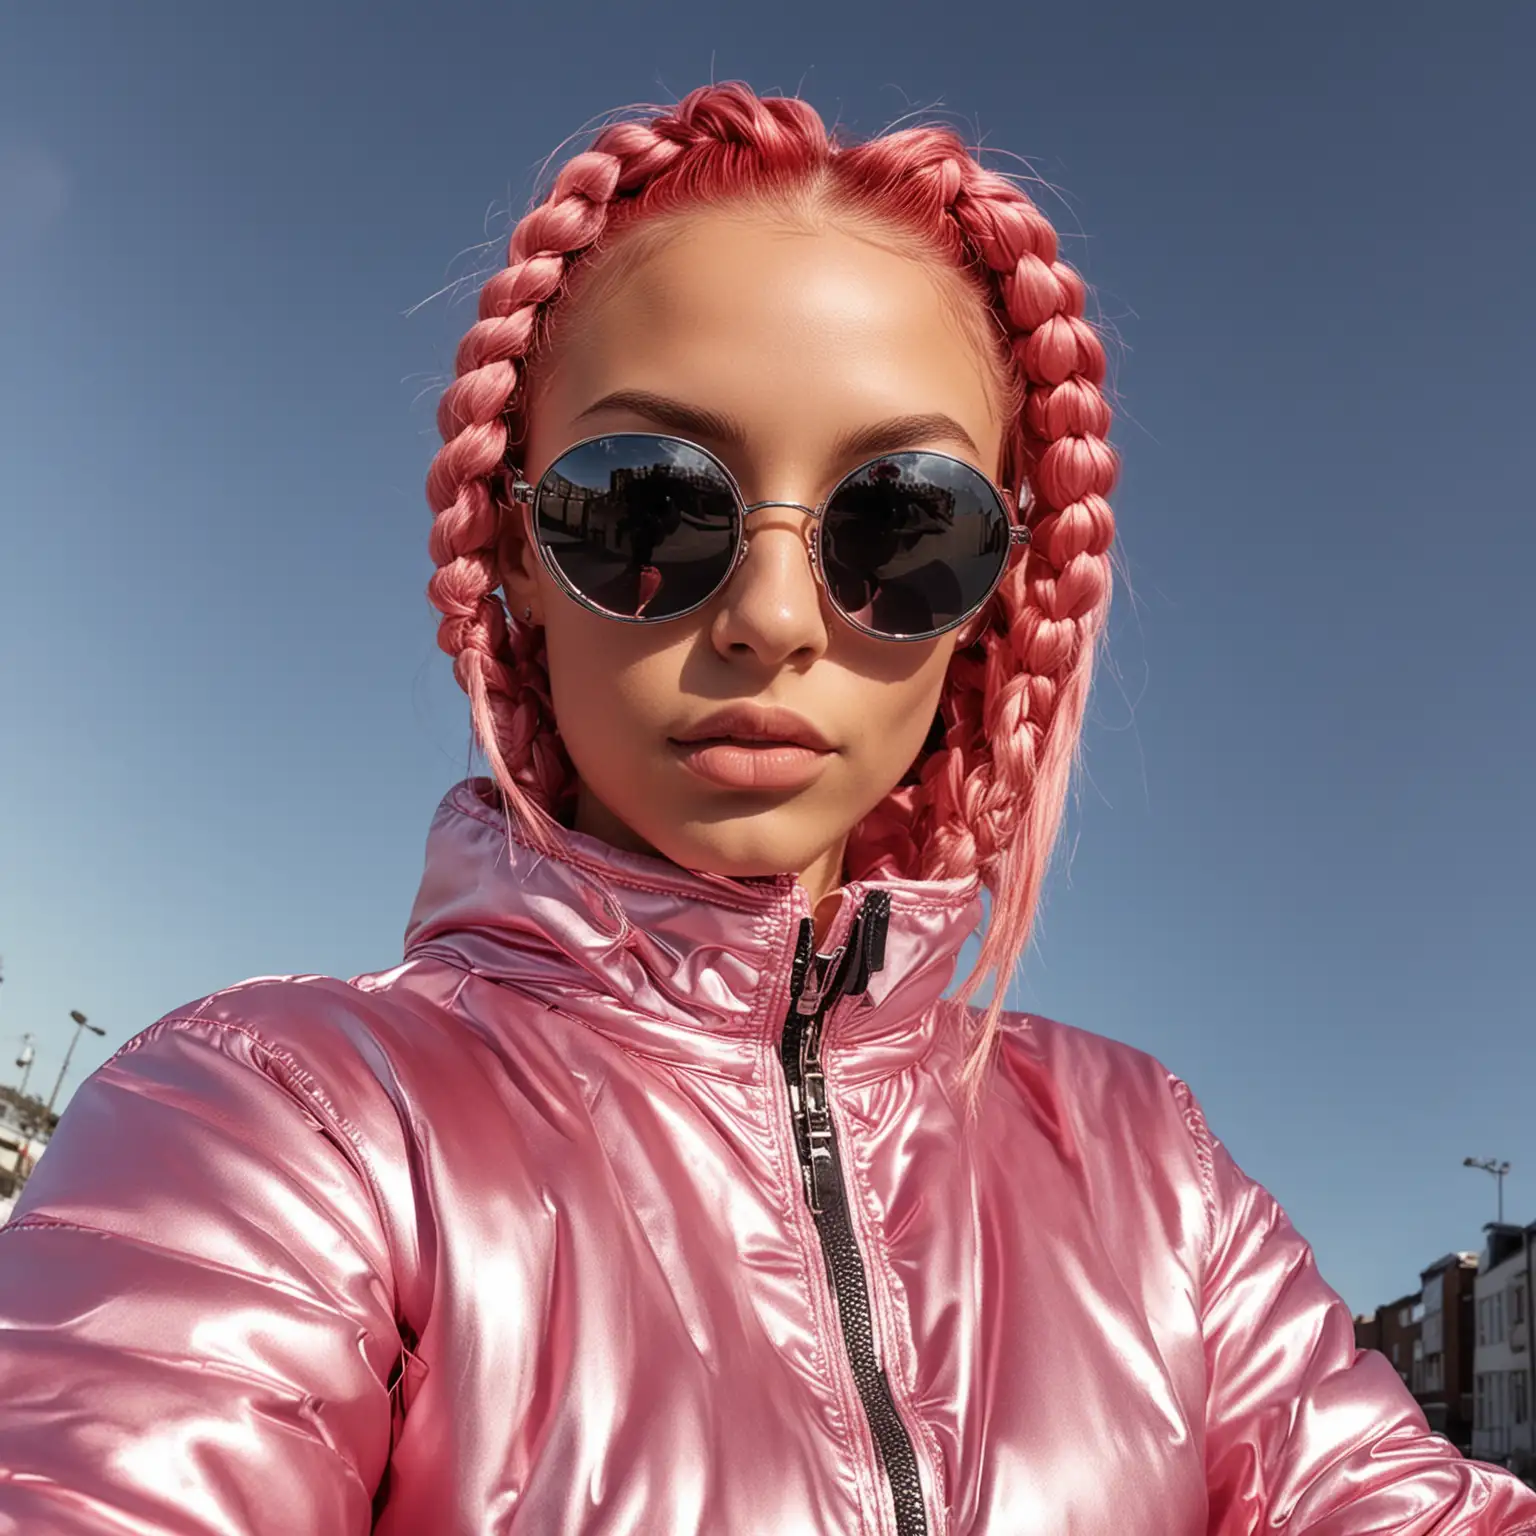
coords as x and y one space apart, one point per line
526 495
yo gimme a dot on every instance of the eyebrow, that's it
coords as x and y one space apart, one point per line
888 436
898 432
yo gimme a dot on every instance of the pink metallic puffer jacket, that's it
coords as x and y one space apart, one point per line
615 1209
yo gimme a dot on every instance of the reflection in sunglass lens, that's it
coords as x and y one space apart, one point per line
641 526
912 544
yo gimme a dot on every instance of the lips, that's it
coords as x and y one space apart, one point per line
753 746
755 724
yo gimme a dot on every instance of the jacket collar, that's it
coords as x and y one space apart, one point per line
690 967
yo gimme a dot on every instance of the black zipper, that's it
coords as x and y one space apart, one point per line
816 982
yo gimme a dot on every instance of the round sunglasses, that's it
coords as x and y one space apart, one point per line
643 528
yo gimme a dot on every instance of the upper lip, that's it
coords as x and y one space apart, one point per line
756 722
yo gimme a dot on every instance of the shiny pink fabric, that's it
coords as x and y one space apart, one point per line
511 1239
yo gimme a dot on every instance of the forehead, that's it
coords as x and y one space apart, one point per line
800 333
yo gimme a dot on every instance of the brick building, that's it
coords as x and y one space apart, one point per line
1396 1330
1444 1381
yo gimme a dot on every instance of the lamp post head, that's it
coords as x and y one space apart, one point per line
77 1016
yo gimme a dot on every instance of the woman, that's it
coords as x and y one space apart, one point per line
661 1189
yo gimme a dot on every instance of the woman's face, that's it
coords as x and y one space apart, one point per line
793 356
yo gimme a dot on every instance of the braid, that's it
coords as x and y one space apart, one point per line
1053 605
1039 655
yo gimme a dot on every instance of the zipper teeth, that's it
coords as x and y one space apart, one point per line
840 1251
851 1286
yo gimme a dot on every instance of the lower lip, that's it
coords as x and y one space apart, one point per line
753 765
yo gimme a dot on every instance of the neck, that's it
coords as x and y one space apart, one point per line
821 879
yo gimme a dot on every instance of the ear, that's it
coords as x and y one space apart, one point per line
517 563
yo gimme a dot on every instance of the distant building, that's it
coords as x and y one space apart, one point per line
1443 1383
1367 1331
22 1140
1504 1390
14 1142
1396 1330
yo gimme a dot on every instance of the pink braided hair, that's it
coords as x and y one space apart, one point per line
989 799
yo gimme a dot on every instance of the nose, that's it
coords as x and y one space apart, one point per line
771 609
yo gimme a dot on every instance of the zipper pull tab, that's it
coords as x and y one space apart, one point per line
817 1167
874 921
817 981
841 974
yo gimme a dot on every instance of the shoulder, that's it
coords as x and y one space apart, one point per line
1100 1071
280 1072
340 1049
234 1130
284 1026
1112 1105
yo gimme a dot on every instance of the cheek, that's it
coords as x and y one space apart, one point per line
893 716
613 686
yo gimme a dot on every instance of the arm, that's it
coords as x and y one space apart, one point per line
1305 1434
196 1317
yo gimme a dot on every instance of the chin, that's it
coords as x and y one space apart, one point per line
780 841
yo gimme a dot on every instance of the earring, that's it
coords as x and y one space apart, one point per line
528 614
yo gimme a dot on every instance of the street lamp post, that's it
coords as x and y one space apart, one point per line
81 1023
24 1060
1497 1169
25 1161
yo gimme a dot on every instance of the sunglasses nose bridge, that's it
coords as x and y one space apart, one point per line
749 507
813 523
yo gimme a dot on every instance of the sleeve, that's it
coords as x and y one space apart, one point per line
196 1319
1305 1434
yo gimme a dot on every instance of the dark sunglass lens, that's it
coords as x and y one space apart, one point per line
912 544
642 527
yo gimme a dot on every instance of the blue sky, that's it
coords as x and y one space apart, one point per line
1300 863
